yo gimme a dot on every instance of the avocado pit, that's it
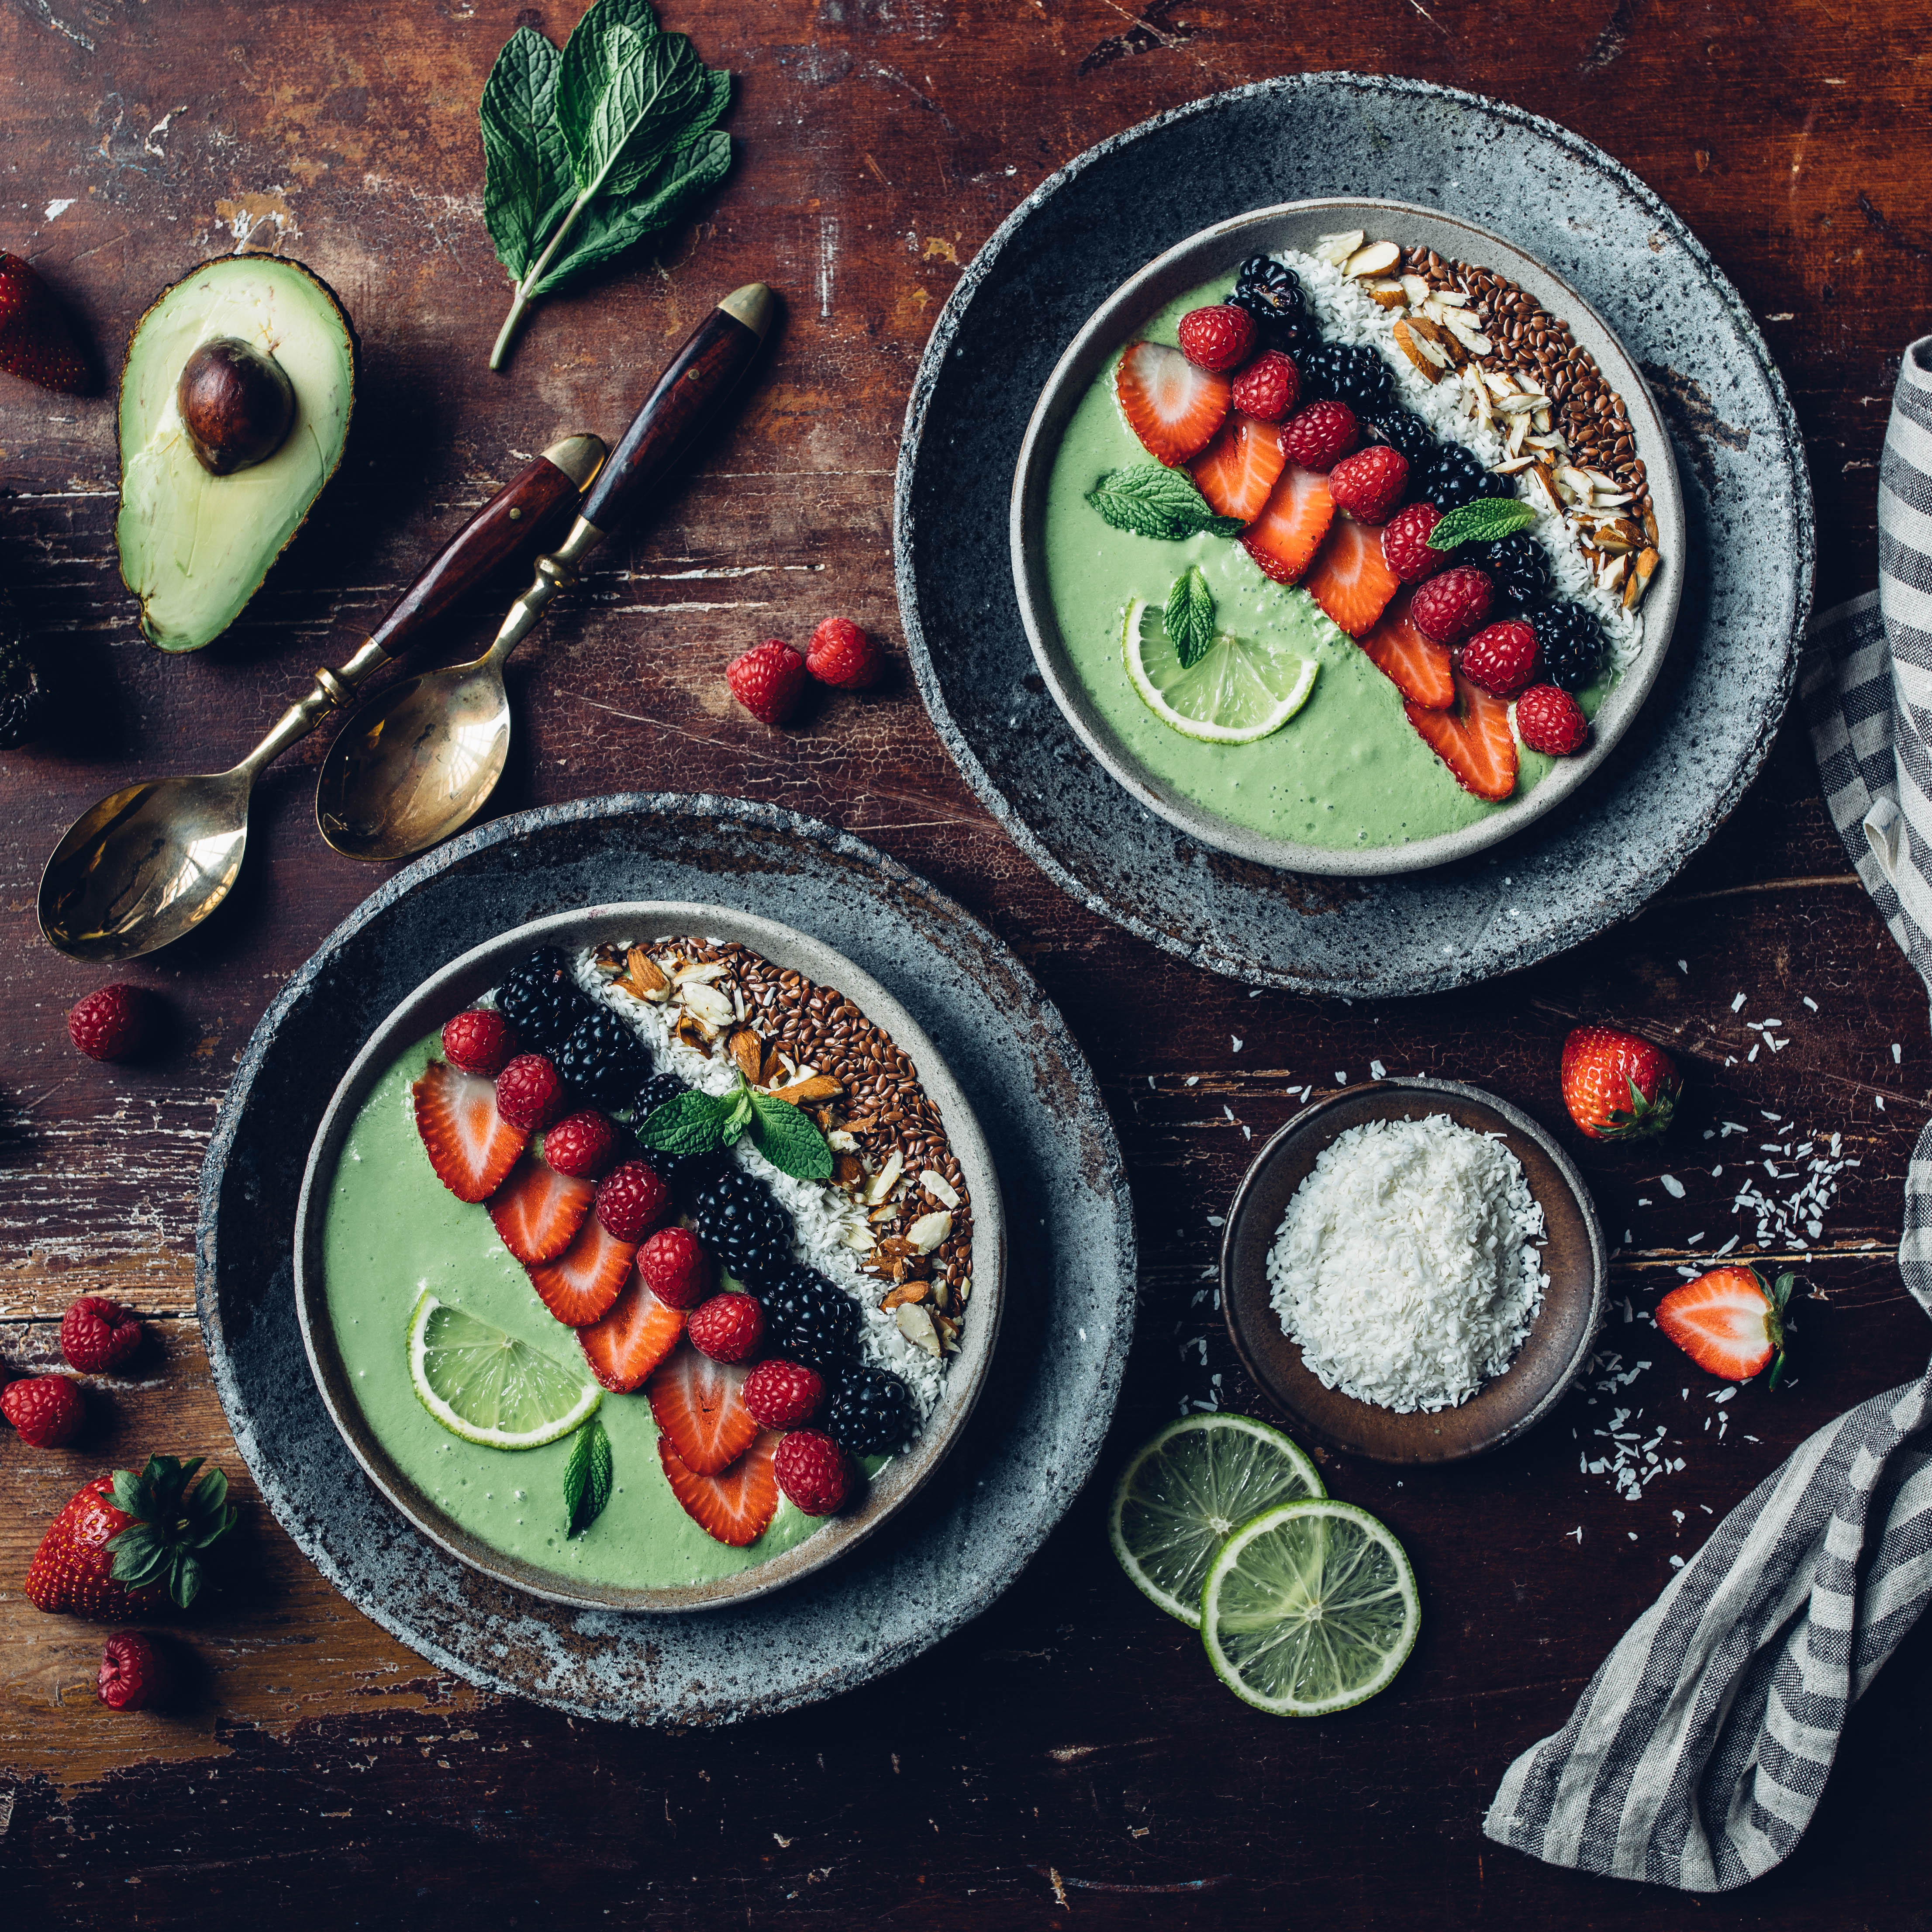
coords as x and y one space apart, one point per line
236 403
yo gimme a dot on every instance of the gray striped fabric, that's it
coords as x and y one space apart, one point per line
1697 1756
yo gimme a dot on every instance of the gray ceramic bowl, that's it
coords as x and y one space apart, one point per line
1553 1354
455 987
1218 250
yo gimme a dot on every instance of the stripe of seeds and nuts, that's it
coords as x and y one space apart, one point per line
811 1046
1524 376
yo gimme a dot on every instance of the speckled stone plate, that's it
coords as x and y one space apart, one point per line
1049 1390
1602 853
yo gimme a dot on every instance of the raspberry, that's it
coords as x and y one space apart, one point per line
47 1410
780 1395
675 1268
114 1023
1217 339
530 1094
728 1328
1448 607
1369 483
1548 719
1501 658
768 680
1406 543
582 1146
480 1041
812 1471
632 1200
842 655
1320 436
1268 388
134 1673
97 1335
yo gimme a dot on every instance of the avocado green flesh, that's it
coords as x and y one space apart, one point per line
195 547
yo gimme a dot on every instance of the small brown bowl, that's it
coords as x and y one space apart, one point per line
1552 1354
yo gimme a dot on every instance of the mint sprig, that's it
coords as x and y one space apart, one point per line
1483 521
1190 617
587 1477
1151 500
693 1123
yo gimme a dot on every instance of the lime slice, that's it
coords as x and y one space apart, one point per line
487 1386
1310 1608
1181 1497
1240 689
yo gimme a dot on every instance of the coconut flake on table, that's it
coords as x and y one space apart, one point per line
1405 1267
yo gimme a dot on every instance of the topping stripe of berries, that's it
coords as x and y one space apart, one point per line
1573 644
97 1335
870 1412
674 1267
1501 658
1446 608
529 1095
1318 436
1406 543
782 1395
843 656
1267 389
808 1320
542 999
728 1328
47 1410
1519 568
812 1471
768 680
632 1200
736 1217
603 1059
114 1023
480 1041
1456 476
1217 339
1549 720
582 1146
1369 484
1351 373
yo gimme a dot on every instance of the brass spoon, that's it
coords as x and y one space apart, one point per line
151 861
418 762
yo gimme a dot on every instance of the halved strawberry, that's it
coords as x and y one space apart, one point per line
538 1210
471 1146
1728 1322
580 1286
1419 668
700 1404
628 1342
1350 581
735 1507
1237 470
1173 407
1284 538
1473 739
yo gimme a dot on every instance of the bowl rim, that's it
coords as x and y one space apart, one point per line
1128 307
453 986
1561 1383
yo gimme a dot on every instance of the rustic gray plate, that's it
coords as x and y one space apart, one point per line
451 988
1575 1257
1219 251
1054 1376
1604 853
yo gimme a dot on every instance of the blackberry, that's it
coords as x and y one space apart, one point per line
603 1059
1456 476
807 1320
734 1215
1349 372
1270 293
23 701
1407 433
684 1174
542 1000
1572 642
1519 567
869 1412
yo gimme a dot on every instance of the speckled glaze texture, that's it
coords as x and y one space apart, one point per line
1599 857
1063 1341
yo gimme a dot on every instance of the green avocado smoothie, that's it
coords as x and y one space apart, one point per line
392 1230
1347 771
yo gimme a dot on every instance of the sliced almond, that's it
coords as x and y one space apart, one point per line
1470 337
1573 482
1650 525
941 1189
644 977
1384 294
694 1033
941 1297
887 1179
841 1141
1643 567
1542 498
1337 248
906 1291
948 1333
1416 290
1452 298
1518 429
1612 574
863 1239
707 1002
1619 535
1482 407
847 1170
802 1093
929 1230
1510 465
773 1068
915 1323
1541 419
743 1048
1516 405
1377 258
1428 359
701 974
1598 481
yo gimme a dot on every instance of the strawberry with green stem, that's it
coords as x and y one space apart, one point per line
1730 1323
1618 1086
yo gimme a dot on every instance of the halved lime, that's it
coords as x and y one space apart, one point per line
486 1387
1185 1492
1238 690
1310 1608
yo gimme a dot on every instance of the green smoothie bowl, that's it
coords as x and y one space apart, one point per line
1348 537
619 1372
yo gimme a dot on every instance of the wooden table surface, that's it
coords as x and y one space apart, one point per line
1068 1757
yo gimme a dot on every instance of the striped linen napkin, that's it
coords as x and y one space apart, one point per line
1697 1755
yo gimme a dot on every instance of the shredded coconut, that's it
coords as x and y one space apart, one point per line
1405 1266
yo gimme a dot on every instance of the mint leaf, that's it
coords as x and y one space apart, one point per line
527 178
608 226
788 1137
1483 521
587 1478
625 93
1152 500
691 1123
1190 617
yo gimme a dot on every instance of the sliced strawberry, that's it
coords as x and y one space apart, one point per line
1237 472
1173 407
538 1210
1418 667
1473 739
1284 538
1350 581
629 1341
735 1507
580 1286
700 1404
1728 1321
471 1146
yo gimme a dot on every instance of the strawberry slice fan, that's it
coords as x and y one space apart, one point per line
1697 1755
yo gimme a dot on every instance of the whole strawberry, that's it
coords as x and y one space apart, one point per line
632 1200
584 1145
134 1672
46 1410
37 343
97 1335
1446 608
812 1471
768 680
728 1328
480 1041
127 1545
114 1023
1218 338
673 1266
1617 1086
843 656
1406 543
780 1395
1320 436
1268 387
1370 483
1548 719
1502 658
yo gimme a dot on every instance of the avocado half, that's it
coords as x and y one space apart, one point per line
194 547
